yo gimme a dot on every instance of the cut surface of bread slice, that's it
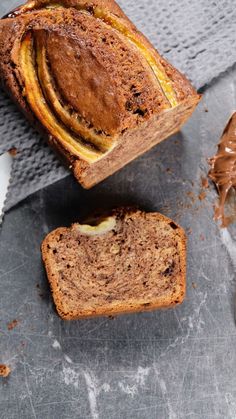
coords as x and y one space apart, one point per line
127 262
86 77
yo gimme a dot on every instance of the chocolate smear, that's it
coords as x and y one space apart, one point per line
223 168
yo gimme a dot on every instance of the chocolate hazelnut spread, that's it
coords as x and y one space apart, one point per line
223 167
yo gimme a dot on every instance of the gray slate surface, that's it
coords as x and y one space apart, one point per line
176 364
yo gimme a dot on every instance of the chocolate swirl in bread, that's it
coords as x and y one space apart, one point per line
95 85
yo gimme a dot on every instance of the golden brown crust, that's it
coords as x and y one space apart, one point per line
133 126
31 5
182 85
120 307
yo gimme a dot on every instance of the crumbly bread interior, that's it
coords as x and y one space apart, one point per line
131 261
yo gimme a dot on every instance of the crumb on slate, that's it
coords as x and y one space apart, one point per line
13 152
12 324
41 293
205 183
4 370
202 196
191 195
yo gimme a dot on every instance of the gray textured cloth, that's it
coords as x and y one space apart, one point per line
197 36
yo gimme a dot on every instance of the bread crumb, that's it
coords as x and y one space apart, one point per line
13 152
191 196
12 324
205 183
194 285
4 370
202 196
41 293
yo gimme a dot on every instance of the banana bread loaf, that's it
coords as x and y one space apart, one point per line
84 75
128 262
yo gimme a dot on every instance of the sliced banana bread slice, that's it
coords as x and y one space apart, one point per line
127 262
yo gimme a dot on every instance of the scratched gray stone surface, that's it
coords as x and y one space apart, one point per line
176 364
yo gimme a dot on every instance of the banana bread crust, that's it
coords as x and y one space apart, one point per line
116 94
